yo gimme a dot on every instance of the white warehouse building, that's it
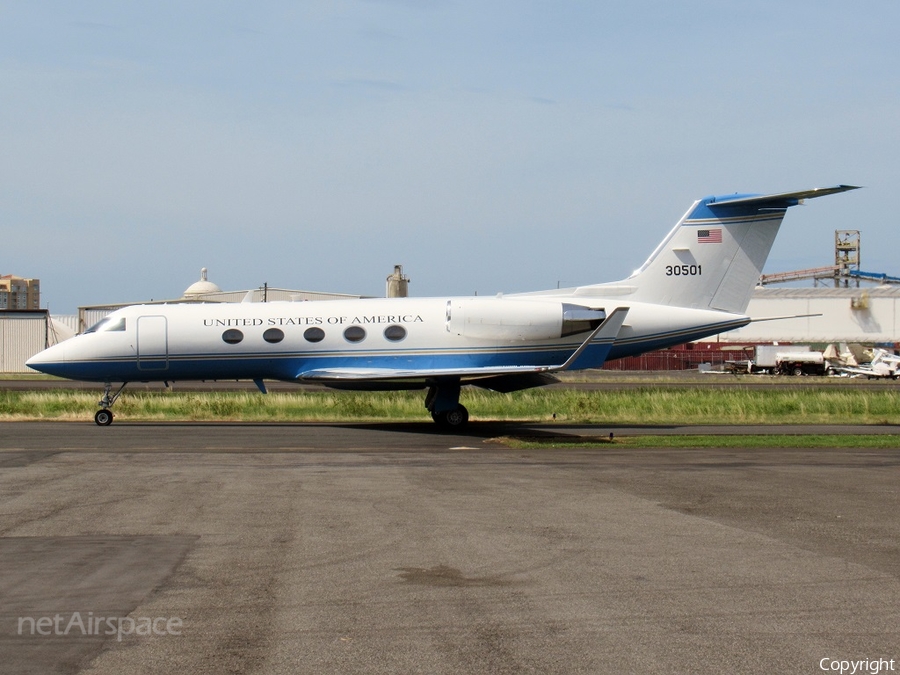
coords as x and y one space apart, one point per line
863 315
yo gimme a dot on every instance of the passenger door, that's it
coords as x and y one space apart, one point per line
152 343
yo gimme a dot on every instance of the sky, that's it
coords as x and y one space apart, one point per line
487 146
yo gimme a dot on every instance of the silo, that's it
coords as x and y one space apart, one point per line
397 283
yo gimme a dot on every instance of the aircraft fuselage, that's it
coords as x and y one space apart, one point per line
284 340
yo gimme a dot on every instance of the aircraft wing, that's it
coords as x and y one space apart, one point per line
323 375
380 379
872 373
605 334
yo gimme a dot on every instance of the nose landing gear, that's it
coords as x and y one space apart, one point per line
104 416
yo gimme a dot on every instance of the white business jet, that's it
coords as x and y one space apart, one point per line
697 283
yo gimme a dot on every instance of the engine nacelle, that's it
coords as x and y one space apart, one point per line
514 319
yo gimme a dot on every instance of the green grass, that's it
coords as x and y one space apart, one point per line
644 405
213 406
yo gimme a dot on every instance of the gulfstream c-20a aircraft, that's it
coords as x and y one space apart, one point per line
695 284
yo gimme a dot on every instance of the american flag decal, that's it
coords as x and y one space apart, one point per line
709 236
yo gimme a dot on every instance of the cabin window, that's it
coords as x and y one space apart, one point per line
355 334
232 336
117 326
395 333
97 326
273 335
314 334
107 324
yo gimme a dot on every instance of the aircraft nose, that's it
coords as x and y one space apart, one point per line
48 360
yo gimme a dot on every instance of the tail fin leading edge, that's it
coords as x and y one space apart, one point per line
713 257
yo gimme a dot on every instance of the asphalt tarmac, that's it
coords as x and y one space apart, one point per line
292 548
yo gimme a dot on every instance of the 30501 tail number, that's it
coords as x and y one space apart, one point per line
684 270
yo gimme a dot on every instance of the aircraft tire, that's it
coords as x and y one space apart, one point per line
456 418
103 417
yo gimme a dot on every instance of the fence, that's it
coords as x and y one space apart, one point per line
685 357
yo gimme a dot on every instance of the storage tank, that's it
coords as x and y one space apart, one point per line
397 284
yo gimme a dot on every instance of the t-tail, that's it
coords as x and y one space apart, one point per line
720 246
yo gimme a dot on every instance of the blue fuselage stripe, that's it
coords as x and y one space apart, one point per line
290 366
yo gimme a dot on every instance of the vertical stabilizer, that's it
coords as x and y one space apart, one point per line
714 256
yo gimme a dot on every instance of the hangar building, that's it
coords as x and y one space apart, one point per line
864 315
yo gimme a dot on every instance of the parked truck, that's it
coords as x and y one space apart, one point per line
800 363
766 357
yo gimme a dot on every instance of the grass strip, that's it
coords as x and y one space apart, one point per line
644 405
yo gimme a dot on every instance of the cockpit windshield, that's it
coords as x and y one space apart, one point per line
106 325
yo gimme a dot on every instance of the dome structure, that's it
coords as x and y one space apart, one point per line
202 287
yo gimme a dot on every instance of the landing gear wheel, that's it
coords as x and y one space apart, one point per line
103 417
452 419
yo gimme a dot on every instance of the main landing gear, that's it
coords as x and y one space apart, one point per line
104 416
452 419
442 402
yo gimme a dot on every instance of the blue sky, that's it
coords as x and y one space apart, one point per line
486 146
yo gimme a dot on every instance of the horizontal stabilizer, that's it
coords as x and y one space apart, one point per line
781 200
782 318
